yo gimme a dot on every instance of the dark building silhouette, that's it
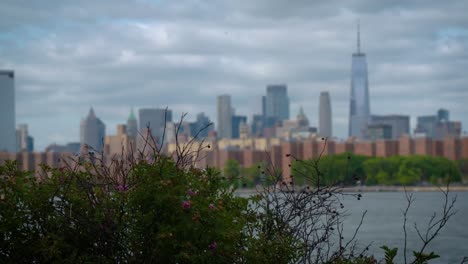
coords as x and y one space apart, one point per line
237 121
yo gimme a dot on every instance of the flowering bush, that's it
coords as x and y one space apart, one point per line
146 212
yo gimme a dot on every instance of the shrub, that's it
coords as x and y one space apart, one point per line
156 212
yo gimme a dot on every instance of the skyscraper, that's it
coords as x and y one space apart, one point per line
400 124
359 109
237 121
224 110
156 119
325 115
379 131
132 125
264 106
257 125
426 125
7 111
277 102
443 115
302 120
121 143
201 126
92 131
24 142
438 126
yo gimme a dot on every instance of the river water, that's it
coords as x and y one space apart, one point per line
383 224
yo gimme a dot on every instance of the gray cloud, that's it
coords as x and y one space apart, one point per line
71 55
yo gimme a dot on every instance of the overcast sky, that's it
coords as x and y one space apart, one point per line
112 55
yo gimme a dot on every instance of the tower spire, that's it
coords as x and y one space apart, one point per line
358 38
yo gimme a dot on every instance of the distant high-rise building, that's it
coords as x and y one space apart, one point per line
201 127
426 126
443 115
277 102
73 147
92 132
30 144
438 126
119 144
25 143
156 119
302 120
132 125
244 132
379 132
400 124
7 111
359 109
447 129
21 137
264 111
325 115
224 109
257 125
237 122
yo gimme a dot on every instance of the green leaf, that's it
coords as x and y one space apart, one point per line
422 258
390 254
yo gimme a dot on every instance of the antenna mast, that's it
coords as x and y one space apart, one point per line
358 38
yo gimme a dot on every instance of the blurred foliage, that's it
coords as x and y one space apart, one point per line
463 166
157 213
347 169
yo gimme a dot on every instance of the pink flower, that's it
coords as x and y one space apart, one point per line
186 204
192 193
212 206
213 246
148 160
122 188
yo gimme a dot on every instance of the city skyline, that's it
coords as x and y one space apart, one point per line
114 59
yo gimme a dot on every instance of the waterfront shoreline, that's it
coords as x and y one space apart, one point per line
402 189
356 189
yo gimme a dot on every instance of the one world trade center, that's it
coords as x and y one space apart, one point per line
359 109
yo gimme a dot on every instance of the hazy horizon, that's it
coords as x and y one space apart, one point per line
69 56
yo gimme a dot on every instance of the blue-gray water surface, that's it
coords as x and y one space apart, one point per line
383 224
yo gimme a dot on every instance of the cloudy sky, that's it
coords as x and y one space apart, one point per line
114 55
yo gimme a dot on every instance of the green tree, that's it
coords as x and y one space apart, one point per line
232 172
231 169
407 174
345 169
252 175
463 168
